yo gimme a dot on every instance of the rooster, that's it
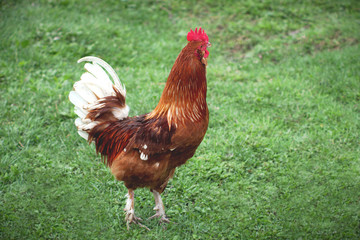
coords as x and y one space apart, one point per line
143 151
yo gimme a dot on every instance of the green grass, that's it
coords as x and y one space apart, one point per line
280 160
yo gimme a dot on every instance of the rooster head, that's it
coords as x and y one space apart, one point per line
203 39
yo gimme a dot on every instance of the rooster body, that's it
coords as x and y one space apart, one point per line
143 151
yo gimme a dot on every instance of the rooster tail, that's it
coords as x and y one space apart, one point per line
97 99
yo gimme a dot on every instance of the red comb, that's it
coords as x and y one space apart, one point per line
197 35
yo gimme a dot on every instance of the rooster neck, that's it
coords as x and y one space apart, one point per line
184 95
186 84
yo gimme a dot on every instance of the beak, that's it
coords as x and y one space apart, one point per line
208 44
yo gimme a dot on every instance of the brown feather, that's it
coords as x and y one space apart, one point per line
106 106
168 136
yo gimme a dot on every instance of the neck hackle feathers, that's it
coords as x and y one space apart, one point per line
184 95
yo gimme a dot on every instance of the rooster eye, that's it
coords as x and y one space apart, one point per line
202 51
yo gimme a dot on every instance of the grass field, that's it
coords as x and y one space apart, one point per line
280 160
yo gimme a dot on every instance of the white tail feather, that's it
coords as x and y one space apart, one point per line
99 74
93 87
84 92
94 84
109 69
77 100
121 113
81 113
83 134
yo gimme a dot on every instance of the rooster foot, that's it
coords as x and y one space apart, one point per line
163 218
130 212
159 208
131 218
160 213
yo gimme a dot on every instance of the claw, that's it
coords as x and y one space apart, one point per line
163 218
131 218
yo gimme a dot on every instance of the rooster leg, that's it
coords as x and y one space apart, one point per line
130 211
159 208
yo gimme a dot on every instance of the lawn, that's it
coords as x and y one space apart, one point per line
280 160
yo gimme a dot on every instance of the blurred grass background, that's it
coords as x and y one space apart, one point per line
281 156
